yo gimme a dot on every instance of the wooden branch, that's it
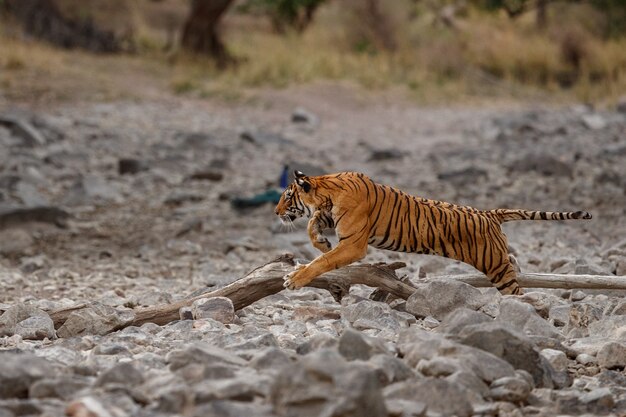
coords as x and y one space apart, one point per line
267 280
534 280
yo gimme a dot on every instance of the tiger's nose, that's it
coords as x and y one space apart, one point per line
276 212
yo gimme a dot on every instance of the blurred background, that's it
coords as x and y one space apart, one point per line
437 50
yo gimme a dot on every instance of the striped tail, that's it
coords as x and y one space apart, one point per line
507 215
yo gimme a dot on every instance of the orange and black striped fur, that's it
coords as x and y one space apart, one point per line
365 213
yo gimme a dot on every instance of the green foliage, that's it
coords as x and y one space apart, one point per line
295 14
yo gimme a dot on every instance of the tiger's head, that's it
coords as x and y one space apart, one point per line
295 201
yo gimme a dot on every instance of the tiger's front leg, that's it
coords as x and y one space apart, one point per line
350 249
342 255
317 224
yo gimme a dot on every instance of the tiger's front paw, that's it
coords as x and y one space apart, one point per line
291 279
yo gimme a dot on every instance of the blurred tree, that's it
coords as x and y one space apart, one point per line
615 16
296 14
42 19
200 32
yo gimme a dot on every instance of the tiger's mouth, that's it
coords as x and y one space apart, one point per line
288 218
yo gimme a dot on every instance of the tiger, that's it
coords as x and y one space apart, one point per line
364 213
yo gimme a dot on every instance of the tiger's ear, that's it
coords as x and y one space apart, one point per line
302 181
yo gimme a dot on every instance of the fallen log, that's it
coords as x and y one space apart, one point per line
267 280
536 280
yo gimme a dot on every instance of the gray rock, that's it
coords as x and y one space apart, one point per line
439 395
612 356
196 140
28 321
152 298
244 387
167 394
64 387
472 383
461 318
465 176
557 359
93 188
18 371
217 308
301 115
179 197
316 342
418 345
523 318
185 313
543 164
130 166
597 401
559 315
265 138
511 346
30 195
593 121
96 319
23 129
201 353
586 359
16 242
406 408
59 354
439 298
368 314
36 328
124 373
392 368
207 174
385 154
228 408
620 107
272 359
322 383
511 389
439 366
356 345
581 315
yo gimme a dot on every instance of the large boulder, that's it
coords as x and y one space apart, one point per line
439 298
27 321
18 371
510 345
323 383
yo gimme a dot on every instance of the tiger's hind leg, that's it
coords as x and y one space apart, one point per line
504 278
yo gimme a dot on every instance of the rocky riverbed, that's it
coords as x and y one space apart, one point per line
129 204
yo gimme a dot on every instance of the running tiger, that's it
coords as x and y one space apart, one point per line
365 213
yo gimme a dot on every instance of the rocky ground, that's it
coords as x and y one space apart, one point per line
128 204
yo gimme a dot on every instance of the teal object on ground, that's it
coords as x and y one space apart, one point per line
269 196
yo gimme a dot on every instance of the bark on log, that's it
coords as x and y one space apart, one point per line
267 280
534 280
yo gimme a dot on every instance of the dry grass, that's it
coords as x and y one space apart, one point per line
487 56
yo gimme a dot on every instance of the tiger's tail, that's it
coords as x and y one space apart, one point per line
507 215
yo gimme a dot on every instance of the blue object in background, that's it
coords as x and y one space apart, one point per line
284 177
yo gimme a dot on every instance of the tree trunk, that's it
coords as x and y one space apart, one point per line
200 33
42 19
542 14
